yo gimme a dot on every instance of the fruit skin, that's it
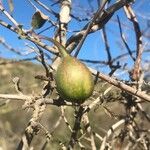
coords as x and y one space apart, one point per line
74 80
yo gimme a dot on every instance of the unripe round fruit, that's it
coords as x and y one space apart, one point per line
74 80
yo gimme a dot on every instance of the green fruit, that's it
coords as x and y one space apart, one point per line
73 79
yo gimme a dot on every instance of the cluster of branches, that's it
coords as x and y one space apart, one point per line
132 95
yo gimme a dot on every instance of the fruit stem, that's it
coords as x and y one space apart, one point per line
60 47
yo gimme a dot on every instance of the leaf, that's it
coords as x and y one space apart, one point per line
11 5
38 20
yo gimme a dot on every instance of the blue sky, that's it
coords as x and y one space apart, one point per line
93 47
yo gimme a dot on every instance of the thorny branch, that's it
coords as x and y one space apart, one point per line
137 66
126 126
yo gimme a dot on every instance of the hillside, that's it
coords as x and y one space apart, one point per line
14 119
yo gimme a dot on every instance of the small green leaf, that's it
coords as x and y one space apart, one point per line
38 20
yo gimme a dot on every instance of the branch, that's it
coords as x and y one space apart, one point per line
122 86
124 40
76 128
9 16
15 97
88 129
33 126
137 66
99 24
97 14
32 39
110 131
57 102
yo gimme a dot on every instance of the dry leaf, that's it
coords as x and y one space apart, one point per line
38 20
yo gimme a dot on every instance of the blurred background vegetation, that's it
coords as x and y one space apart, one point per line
109 54
14 119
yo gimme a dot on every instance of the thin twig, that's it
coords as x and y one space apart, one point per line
9 16
137 66
33 126
97 14
76 128
124 40
47 8
110 131
88 128
32 39
99 24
